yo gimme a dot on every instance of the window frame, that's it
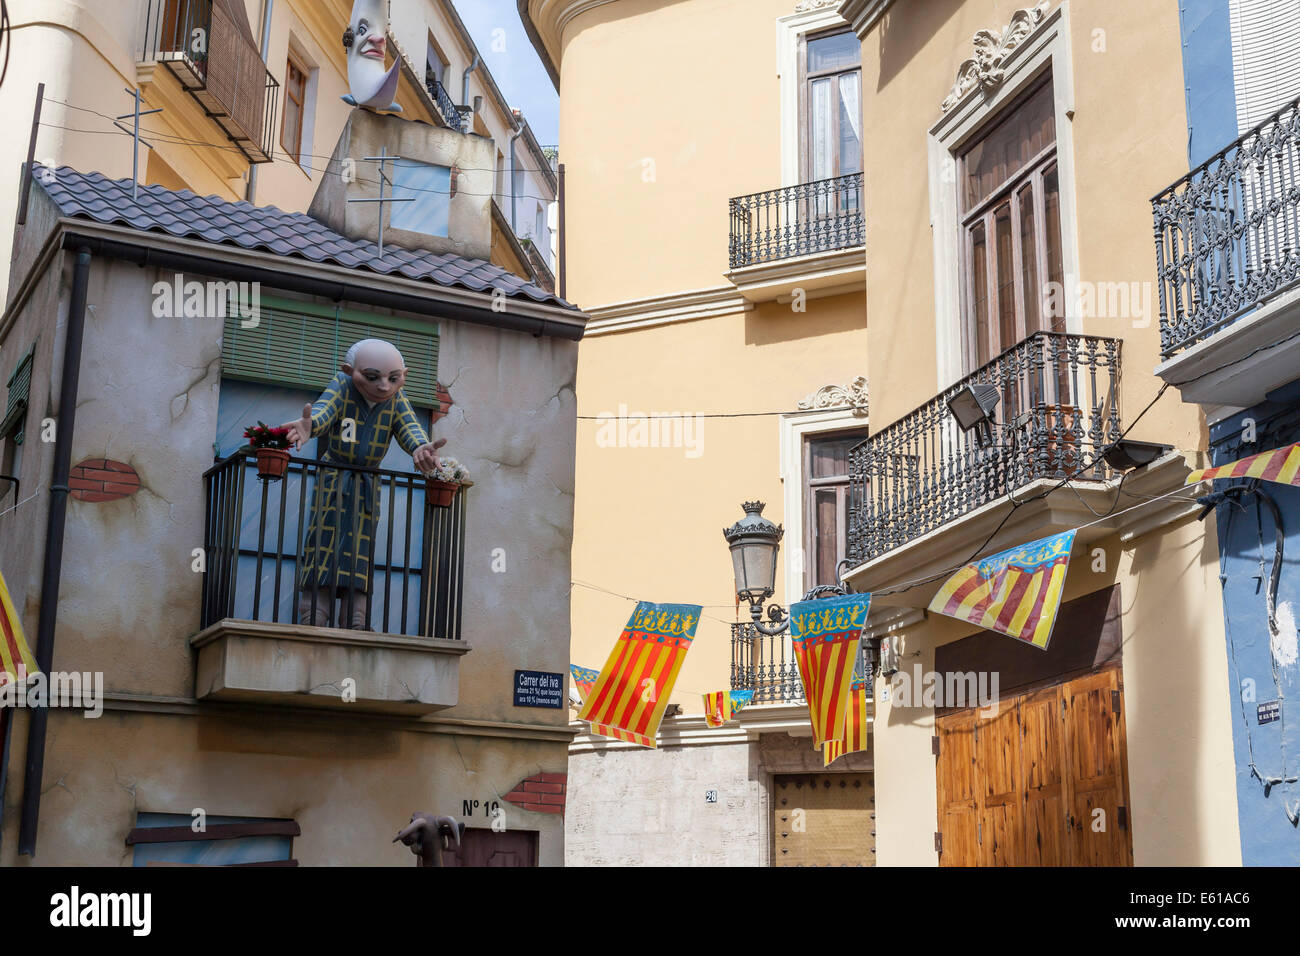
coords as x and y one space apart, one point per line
295 63
810 485
805 82
983 345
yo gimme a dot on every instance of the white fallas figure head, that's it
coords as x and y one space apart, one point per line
366 42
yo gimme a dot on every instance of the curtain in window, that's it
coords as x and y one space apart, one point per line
850 96
823 158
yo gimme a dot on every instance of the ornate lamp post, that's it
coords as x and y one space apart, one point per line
754 543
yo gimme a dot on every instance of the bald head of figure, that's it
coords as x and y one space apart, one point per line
376 369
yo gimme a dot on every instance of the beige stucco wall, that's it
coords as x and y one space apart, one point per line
129 600
615 819
1178 717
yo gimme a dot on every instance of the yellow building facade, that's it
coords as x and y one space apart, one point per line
1008 157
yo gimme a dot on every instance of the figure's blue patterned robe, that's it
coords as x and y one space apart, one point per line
347 499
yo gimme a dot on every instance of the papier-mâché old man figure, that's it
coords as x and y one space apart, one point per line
357 415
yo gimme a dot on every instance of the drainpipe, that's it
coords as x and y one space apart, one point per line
523 125
53 567
250 194
464 78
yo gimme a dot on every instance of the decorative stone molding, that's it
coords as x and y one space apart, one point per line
807 6
853 395
984 70
862 15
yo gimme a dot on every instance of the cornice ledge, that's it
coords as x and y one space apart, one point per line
984 71
863 14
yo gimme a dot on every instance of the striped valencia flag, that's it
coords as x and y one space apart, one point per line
584 678
855 726
722 705
1281 465
1015 592
628 700
825 634
16 660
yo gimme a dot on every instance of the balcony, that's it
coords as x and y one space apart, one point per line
217 63
252 647
810 236
1059 407
766 664
1227 241
451 114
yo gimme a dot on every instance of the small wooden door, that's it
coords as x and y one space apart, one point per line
1043 782
480 847
824 819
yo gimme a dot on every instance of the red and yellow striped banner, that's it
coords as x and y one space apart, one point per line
16 660
855 726
1281 465
628 700
1015 592
825 634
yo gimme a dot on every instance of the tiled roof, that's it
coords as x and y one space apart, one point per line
291 234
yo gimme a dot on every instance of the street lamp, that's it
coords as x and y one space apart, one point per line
754 543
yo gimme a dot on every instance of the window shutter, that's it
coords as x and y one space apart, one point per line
1265 57
300 345
20 384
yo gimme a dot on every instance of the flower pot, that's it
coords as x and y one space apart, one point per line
440 493
272 463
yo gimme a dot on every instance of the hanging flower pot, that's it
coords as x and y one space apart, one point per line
272 463
441 493
443 482
271 446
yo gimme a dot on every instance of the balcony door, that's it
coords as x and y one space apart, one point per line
826 504
831 103
1010 203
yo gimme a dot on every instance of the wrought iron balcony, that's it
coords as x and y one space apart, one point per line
1228 233
451 114
1059 407
766 665
256 531
796 221
219 66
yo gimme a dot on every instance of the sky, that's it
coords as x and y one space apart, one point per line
515 65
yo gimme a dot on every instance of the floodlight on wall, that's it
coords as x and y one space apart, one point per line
1126 454
973 407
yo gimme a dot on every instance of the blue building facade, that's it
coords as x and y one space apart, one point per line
1258 522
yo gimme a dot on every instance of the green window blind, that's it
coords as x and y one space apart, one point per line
300 344
20 385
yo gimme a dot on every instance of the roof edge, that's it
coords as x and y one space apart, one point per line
535 37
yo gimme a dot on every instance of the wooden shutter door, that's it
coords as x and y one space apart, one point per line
1096 762
958 820
997 768
1043 826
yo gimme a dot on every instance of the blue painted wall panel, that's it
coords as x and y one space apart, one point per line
1207 70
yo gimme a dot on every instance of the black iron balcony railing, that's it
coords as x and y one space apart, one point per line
1059 408
256 532
766 665
446 105
797 221
1228 233
218 65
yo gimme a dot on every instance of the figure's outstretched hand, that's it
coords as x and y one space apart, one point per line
300 430
424 458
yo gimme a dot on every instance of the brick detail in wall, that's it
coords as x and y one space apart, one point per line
540 793
98 479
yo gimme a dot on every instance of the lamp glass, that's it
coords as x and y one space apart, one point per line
754 563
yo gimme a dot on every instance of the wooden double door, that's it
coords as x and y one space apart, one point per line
1042 783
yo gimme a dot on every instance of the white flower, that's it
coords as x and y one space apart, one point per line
450 470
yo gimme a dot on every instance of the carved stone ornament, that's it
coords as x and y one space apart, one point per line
853 395
805 6
984 70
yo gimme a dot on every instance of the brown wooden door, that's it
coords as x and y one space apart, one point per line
1043 782
489 848
824 819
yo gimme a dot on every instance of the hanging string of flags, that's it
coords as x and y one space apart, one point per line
1016 592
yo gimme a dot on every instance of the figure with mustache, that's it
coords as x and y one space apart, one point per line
366 43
